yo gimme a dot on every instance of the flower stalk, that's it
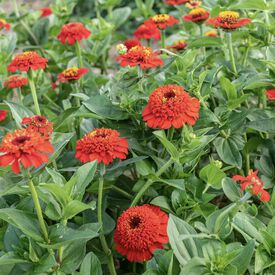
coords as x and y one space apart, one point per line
231 52
34 93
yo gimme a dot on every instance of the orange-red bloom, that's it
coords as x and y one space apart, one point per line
176 2
3 115
193 4
198 15
178 45
147 31
162 21
4 24
72 74
131 42
103 145
15 81
140 56
170 106
47 11
72 32
140 231
270 94
255 185
27 60
26 147
212 33
228 20
38 124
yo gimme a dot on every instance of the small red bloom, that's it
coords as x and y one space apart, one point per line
162 21
4 24
254 183
131 42
178 45
103 145
47 11
212 33
38 124
193 4
72 32
72 74
176 2
140 231
15 81
3 115
27 60
170 106
54 85
26 147
270 94
147 31
228 20
140 56
198 15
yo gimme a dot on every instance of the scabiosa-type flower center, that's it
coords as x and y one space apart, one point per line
230 17
160 18
71 72
135 222
20 140
197 12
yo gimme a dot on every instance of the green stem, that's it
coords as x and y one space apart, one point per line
61 249
231 52
104 244
201 34
149 182
163 39
170 133
122 192
78 53
33 91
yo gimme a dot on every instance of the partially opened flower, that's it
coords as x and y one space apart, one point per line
38 124
27 60
178 45
170 106
176 2
140 56
15 81
47 11
72 74
4 24
147 31
162 21
253 184
228 20
3 115
103 145
193 4
212 33
198 15
140 231
72 32
26 147
131 42
270 94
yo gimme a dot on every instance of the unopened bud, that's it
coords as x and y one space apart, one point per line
192 135
121 49
218 163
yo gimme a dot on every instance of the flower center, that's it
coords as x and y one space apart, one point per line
20 140
229 17
145 51
193 4
168 95
197 12
135 222
71 72
40 119
3 21
160 18
179 42
28 53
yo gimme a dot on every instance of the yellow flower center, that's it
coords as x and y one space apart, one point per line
3 21
27 53
211 33
178 42
193 4
70 72
197 12
229 16
160 18
92 134
146 51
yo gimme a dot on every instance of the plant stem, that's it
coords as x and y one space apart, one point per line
104 244
170 134
122 192
149 182
163 39
33 91
61 249
79 55
231 53
201 34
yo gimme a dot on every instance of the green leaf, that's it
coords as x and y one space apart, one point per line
249 4
234 103
120 15
11 258
91 265
74 207
229 88
263 125
205 42
231 190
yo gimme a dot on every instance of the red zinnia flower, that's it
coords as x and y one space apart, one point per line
4 24
46 11
72 74
140 55
27 60
193 4
15 81
254 183
147 31
3 115
270 94
38 124
140 231
26 147
198 15
176 2
228 20
212 33
72 32
131 42
170 105
178 45
103 145
162 21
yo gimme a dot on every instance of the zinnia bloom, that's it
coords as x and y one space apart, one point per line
26 147
255 185
228 20
170 105
198 15
15 81
72 74
176 2
140 56
147 31
38 124
140 231
27 60
131 42
178 45
103 145
270 94
72 32
162 21
3 115
4 24
212 33
193 4
47 11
